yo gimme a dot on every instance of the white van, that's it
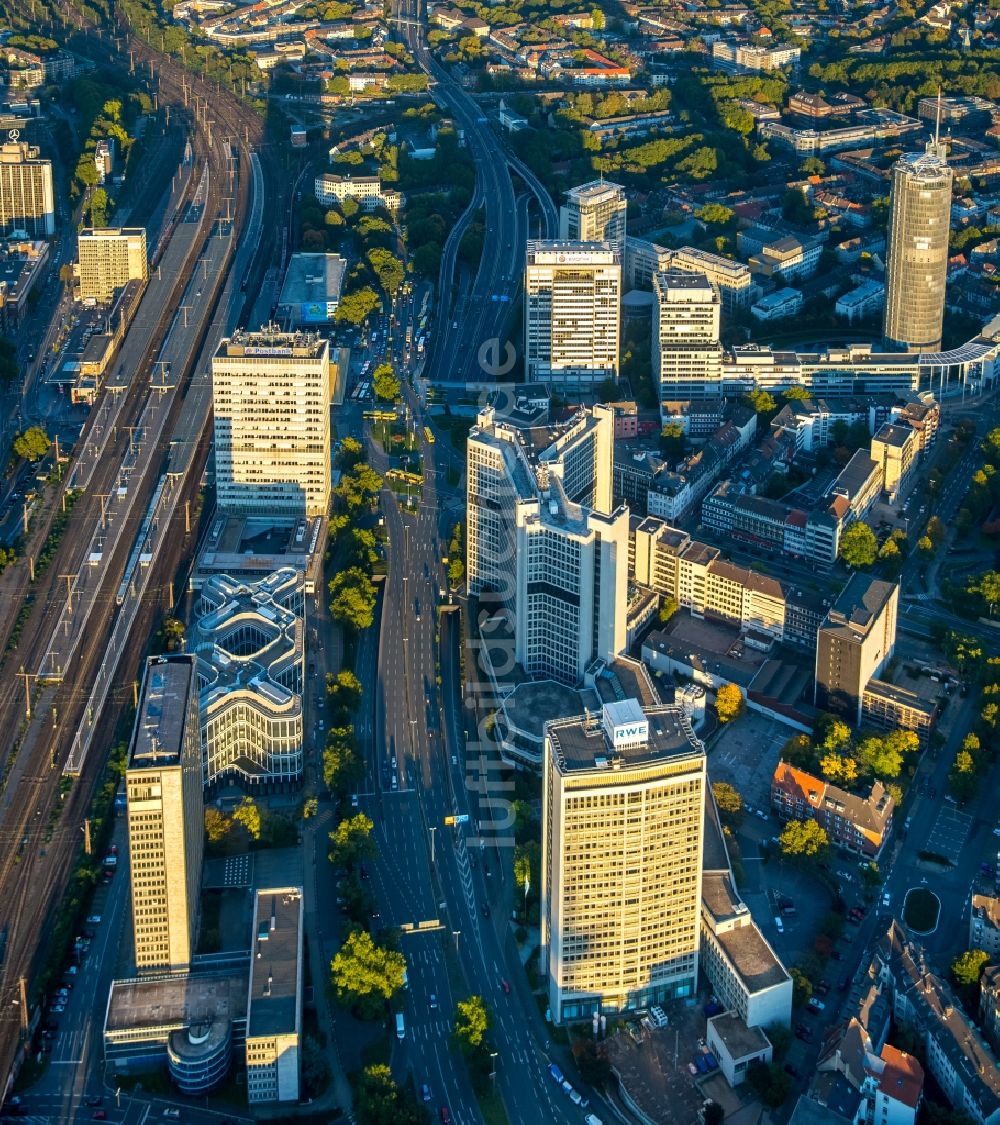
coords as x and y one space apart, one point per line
779 925
400 1026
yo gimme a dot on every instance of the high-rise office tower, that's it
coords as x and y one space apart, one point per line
109 259
26 199
623 806
272 393
545 542
166 817
854 644
595 212
572 316
916 265
686 353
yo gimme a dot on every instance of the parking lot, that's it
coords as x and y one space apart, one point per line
745 755
950 831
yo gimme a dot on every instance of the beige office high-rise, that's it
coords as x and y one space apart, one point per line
109 259
166 816
595 212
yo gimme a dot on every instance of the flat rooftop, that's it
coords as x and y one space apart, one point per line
274 1005
595 192
158 739
313 279
581 743
169 1003
752 957
739 1039
268 344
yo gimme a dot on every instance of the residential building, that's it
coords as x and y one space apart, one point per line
771 525
109 259
786 259
22 266
686 352
572 313
989 1002
984 924
274 1004
366 190
859 824
27 203
104 159
738 58
956 1054
917 256
895 449
623 800
271 392
165 816
854 644
249 640
732 279
859 482
777 305
545 541
889 707
863 301
595 212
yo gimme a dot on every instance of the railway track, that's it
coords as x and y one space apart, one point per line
32 877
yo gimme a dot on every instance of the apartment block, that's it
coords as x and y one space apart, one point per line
859 484
572 313
271 392
623 800
165 816
859 824
368 191
732 279
27 202
889 707
854 644
595 212
109 259
895 448
771 525
984 924
545 541
685 349
274 1004
735 57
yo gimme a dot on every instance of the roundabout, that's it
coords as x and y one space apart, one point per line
921 911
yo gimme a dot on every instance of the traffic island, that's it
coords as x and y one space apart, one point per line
921 911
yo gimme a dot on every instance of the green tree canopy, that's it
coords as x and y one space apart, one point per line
858 545
385 383
728 702
32 444
472 1021
351 841
248 815
352 598
968 966
365 974
803 838
356 307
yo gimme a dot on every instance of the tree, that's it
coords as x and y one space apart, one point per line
217 825
365 974
834 734
668 607
987 586
769 1082
925 545
592 1061
472 1021
248 815
858 545
968 966
351 841
388 269
173 633
802 988
762 402
344 690
883 756
729 801
936 530
728 702
673 441
385 383
456 572
356 307
527 865
379 1101
715 214
341 763
803 838
352 599
32 444
796 393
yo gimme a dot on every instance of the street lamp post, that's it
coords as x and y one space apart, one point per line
456 934
493 1071
433 830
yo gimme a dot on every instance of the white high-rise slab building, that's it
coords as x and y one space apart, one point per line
686 352
545 541
623 807
271 392
572 313
27 201
595 212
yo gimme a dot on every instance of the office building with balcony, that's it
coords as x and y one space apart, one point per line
249 641
572 313
623 804
27 201
854 644
271 392
165 816
109 259
544 541
595 212
916 264
896 449
686 352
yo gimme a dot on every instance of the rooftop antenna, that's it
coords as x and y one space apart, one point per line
937 122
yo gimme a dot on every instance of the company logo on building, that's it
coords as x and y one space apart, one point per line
625 724
628 734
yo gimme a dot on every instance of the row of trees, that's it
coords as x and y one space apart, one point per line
839 755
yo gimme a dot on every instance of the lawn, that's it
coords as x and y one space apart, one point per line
921 910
